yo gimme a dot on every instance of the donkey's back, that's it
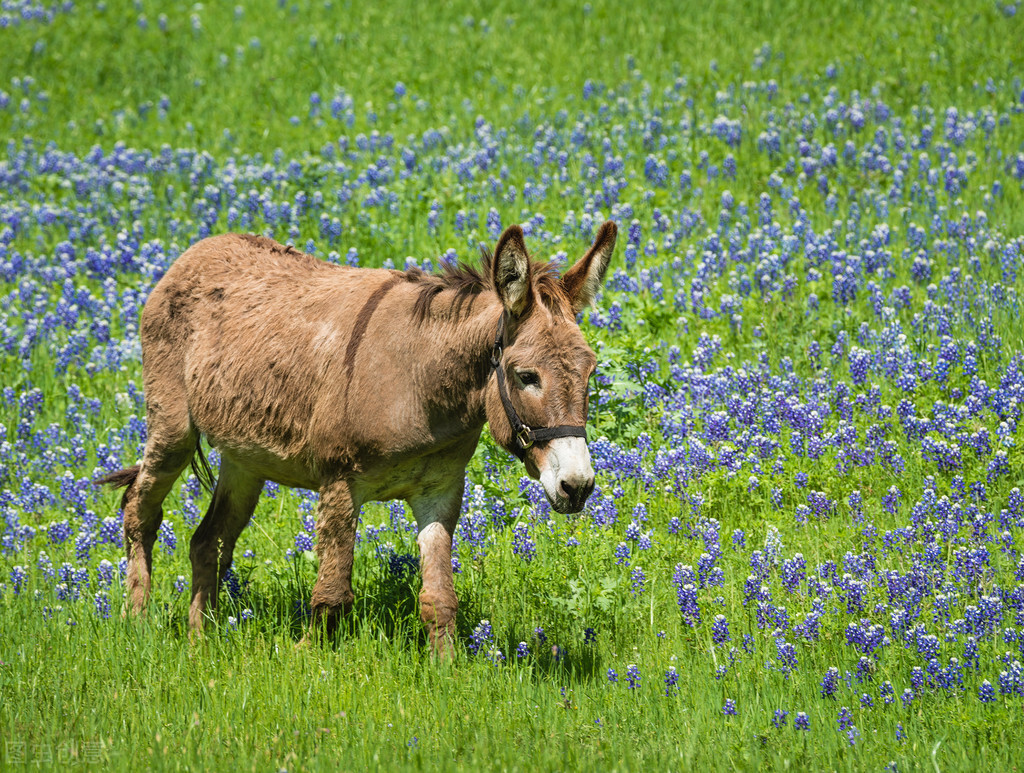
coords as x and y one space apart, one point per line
241 342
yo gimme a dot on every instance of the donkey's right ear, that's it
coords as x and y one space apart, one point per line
510 271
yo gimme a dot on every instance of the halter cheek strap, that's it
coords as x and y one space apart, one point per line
525 436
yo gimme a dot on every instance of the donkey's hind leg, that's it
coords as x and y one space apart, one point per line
168 451
213 543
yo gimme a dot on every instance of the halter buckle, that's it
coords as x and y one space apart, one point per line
523 436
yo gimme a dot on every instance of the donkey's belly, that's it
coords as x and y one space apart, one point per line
420 476
266 464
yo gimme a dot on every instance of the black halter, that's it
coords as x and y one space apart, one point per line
524 436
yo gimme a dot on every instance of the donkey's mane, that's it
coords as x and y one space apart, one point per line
466 281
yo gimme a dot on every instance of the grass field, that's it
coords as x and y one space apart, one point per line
803 551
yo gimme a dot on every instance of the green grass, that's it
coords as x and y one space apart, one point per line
463 60
147 695
139 693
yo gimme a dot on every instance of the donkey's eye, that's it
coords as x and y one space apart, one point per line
528 377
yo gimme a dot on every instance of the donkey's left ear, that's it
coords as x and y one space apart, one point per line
511 271
583 280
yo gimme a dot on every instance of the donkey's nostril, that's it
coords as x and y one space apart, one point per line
587 490
577 491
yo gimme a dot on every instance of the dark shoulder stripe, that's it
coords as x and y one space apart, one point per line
363 321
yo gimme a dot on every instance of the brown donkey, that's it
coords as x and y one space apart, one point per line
364 384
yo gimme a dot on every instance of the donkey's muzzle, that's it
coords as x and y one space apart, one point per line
566 473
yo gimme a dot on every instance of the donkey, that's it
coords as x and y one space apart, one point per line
363 384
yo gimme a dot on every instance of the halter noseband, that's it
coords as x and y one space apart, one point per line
524 436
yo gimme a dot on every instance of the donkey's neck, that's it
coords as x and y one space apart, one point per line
464 367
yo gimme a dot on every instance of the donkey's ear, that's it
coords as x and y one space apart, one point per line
583 280
511 271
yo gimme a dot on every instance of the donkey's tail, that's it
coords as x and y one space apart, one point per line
126 478
120 479
201 468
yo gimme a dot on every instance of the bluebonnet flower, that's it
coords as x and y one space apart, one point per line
845 719
622 553
105 573
887 693
632 676
671 681
739 539
729 709
802 721
773 544
18 577
166 537
482 636
231 583
493 224
102 603
793 572
890 501
639 580
1011 679
59 532
830 683
522 545
986 693
785 655
686 599
720 630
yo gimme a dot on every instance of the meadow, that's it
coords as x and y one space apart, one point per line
803 549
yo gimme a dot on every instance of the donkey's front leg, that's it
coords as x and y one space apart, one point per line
336 539
436 515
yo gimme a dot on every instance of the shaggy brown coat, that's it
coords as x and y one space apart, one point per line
363 384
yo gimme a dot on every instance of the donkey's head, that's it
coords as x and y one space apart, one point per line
537 395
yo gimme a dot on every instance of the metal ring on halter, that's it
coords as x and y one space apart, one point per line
524 438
